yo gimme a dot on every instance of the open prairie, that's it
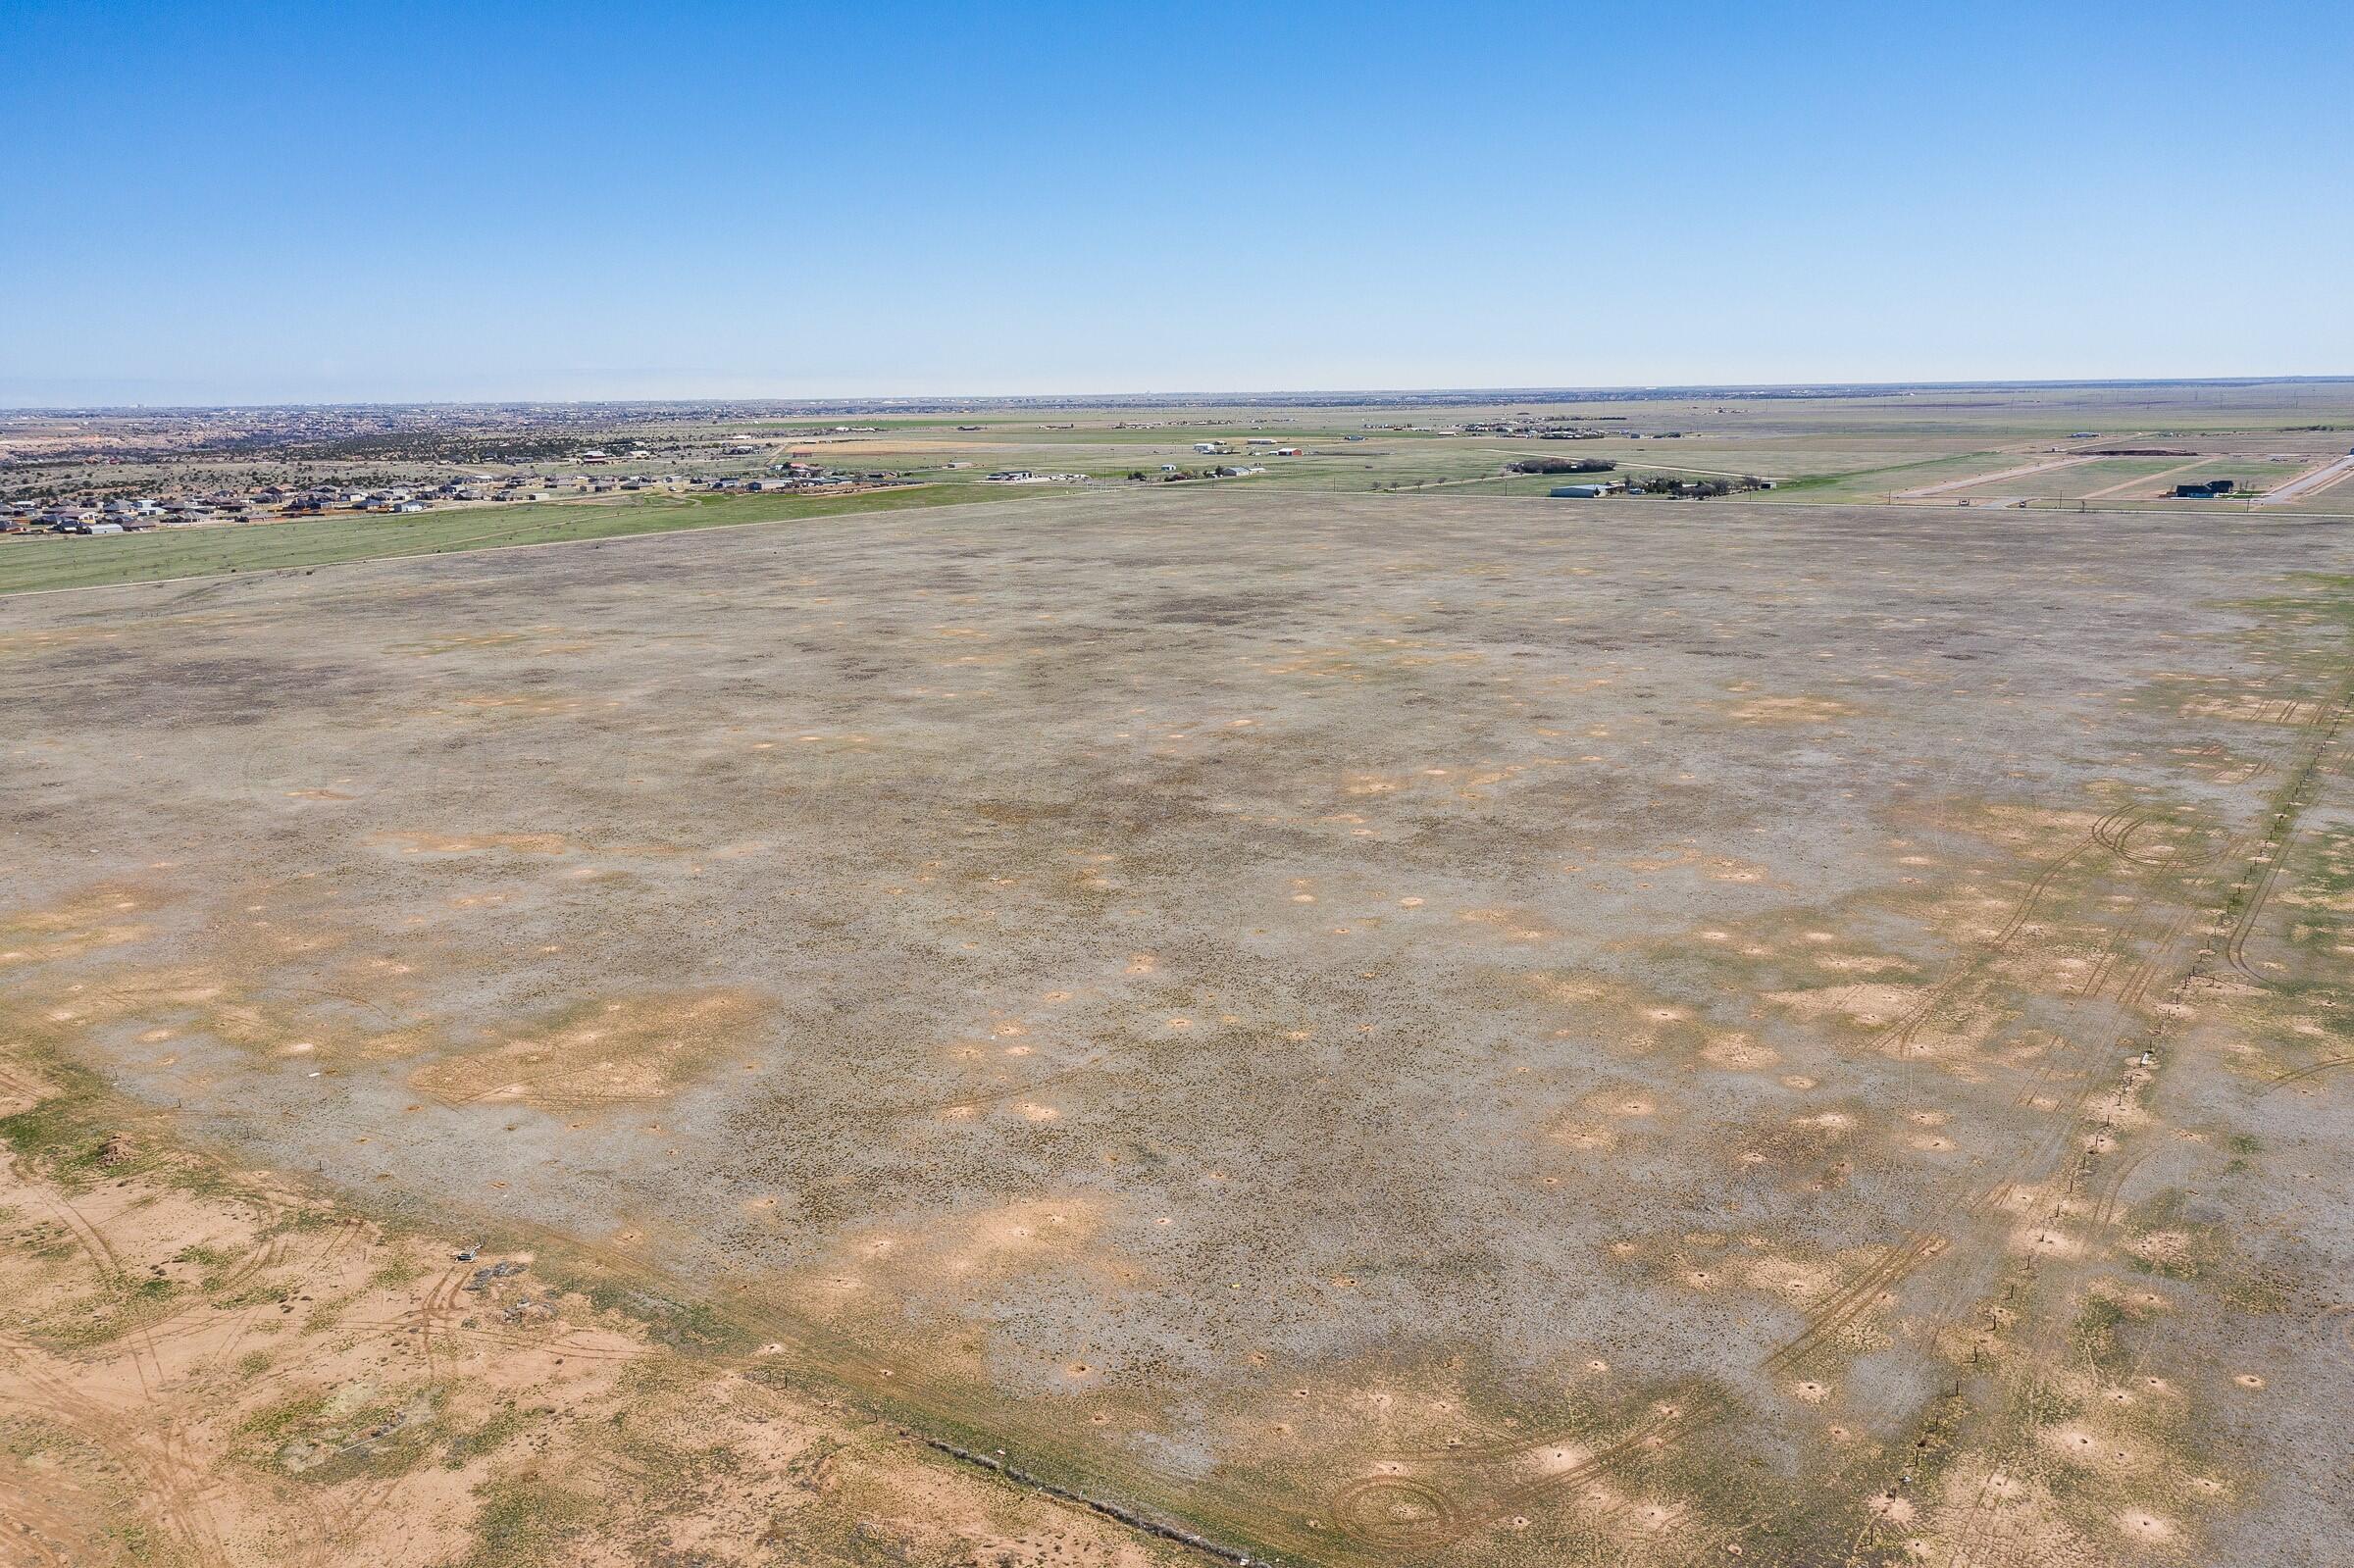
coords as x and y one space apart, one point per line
2282 443
1351 1029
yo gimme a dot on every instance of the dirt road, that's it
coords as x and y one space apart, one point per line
1976 480
2146 481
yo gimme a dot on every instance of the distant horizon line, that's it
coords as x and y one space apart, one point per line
944 402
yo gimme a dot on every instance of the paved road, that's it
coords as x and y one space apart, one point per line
2310 483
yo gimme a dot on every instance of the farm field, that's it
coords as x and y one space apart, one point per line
1215 1022
45 563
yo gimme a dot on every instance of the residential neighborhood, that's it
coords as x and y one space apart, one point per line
119 514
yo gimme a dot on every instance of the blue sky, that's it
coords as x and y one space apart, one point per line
220 202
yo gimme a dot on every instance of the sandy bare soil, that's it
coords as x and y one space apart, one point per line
1374 1031
205 1366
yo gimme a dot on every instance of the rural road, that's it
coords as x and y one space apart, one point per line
2157 480
1975 479
2304 485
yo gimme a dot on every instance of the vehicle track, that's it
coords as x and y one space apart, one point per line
2308 1071
2029 1369
1901 1034
2263 870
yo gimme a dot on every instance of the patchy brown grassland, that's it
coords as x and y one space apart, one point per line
1443 1030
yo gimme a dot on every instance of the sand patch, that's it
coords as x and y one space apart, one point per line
107 915
1793 710
612 1052
1739 1054
2251 708
1874 1004
438 843
232 1373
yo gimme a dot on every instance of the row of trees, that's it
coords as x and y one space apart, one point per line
1564 465
1694 488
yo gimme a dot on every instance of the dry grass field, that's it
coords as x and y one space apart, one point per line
1350 1029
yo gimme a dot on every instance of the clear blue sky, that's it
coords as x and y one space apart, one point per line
222 202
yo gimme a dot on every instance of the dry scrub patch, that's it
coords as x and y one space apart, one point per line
610 1052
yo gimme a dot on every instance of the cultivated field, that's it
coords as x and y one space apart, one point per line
1436 1029
45 563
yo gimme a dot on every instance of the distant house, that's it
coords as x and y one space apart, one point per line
2204 489
408 506
1579 493
1210 448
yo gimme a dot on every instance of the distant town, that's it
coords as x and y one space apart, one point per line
135 514
2243 445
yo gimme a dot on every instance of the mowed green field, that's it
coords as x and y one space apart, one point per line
48 562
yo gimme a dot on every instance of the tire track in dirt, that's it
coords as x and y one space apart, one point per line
2263 870
171 1488
2310 1070
1897 1262
2028 1370
1901 1034
2184 906
2111 832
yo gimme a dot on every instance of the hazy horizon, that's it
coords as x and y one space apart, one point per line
1306 396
